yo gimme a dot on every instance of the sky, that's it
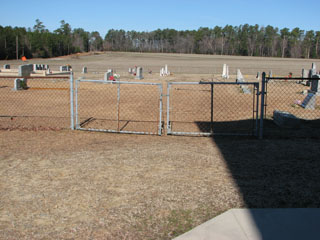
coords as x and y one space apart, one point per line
143 15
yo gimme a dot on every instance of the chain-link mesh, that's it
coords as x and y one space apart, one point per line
45 104
118 106
291 96
212 108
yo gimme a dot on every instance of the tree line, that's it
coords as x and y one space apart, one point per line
243 40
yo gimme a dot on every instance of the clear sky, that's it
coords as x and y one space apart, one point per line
143 15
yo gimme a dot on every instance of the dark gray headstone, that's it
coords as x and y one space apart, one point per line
285 119
25 70
315 86
6 66
65 68
309 101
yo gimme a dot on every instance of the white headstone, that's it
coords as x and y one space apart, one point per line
108 75
304 73
130 70
84 70
239 76
139 73
161 72
20 84
166 70
225 71
270 74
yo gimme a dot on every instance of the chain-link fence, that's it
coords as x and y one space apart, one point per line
124 107
291 108
44 103
208 108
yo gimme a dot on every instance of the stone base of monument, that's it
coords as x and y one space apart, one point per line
286 119
20 84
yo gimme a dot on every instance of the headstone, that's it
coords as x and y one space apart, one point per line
6 66
35 67
161 72
25 70
309 102
270 74
166 70
240 79
313 66
139 73
84 70
225 71
285 119
20 84
258 76
65 68
108 75
130 70
304 73
315 86
239 76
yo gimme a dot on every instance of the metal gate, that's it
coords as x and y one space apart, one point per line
121 107
212 108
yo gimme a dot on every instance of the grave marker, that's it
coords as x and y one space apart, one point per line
25 70
139 75
315 86
309 102
6 66
84 70
20 84
225 71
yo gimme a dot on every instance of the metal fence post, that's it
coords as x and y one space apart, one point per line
71 101
118 106
77 103
160 110
211 117
168 109
262 104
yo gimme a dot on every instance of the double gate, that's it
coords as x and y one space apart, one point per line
192 108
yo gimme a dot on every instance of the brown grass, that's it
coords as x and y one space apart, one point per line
84 185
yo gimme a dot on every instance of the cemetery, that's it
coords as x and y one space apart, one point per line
179 181
235 101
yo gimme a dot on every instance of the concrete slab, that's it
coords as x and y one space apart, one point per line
256 224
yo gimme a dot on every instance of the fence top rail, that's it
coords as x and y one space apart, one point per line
117 82
293 78
38 77
214 83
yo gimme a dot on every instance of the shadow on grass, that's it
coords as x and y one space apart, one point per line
280 171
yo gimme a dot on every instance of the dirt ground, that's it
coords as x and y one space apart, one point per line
62 184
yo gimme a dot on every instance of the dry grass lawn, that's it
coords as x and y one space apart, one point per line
62 184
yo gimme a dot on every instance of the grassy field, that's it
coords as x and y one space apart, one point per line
62 184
